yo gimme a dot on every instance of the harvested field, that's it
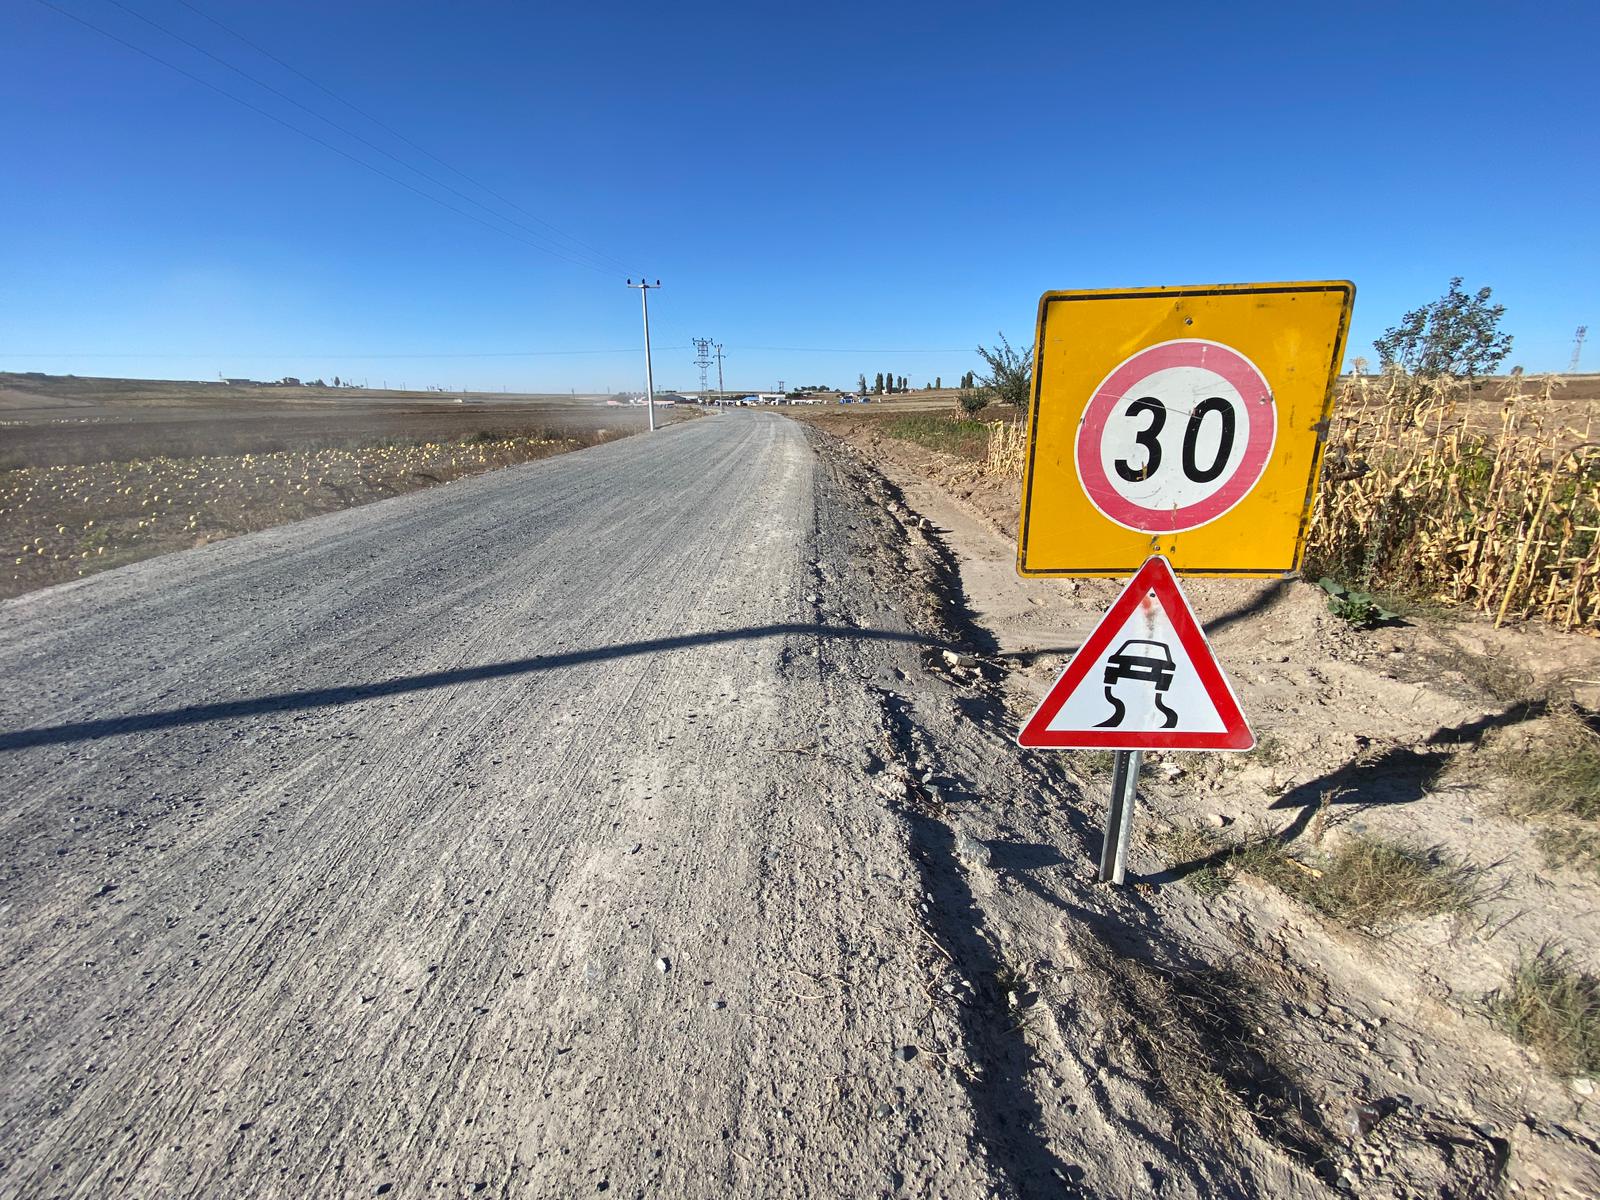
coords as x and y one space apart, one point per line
49 420
97 473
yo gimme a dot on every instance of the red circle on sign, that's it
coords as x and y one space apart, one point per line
1261 413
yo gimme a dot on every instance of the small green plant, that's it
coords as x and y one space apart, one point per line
1010 378
972 402
1358 608
1553 1008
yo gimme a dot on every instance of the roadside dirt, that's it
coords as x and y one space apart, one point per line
1383 732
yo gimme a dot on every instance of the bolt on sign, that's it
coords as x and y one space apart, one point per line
1185 422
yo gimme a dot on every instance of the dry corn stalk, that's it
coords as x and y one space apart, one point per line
1427 491
1007 442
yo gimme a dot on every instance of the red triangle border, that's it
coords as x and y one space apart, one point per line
1154 576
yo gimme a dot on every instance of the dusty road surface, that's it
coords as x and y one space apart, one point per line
351 854
602 825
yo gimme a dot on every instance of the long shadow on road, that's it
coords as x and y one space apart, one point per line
195 714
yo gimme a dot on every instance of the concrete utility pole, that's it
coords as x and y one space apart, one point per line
649 375
719 370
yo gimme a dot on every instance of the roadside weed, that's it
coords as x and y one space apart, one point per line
1366 883
1554 1009
1358 608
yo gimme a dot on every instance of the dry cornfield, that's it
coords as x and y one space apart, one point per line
1433 491
1007 442
1486 497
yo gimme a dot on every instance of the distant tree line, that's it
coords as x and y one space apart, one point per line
884 384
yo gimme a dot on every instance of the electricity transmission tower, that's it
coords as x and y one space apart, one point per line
1577 348
702 359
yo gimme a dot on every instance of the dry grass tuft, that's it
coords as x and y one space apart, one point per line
1094 764
1570 844
1554 773
1553 1008
1210 859
1202 1035
1366 884
1557 774
1426 494
1372 885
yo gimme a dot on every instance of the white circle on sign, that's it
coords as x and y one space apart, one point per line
1176 436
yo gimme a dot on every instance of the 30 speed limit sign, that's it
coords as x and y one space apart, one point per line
1186 422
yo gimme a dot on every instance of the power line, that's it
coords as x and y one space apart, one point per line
393 132
271 116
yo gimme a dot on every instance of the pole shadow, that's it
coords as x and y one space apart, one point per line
297 701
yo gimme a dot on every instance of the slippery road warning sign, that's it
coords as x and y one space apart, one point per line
1144 680
1186 422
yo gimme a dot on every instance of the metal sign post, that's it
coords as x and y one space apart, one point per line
1144 679
1119 818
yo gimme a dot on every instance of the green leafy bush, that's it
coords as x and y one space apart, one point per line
1358 608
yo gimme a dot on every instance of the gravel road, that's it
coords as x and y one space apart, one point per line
514 837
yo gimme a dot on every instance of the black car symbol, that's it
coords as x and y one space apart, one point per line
1144 662
1147 662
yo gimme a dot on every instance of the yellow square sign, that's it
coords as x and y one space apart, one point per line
1181 421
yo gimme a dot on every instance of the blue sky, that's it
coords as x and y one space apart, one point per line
880 185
